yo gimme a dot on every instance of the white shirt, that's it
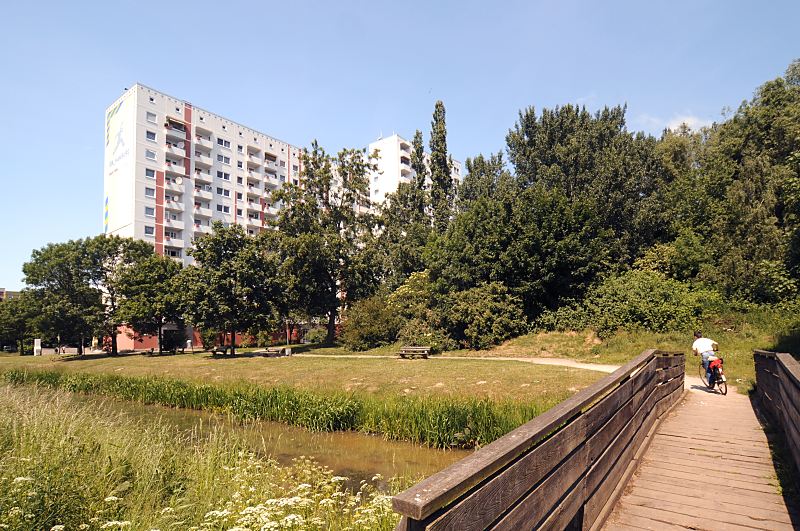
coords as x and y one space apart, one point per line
703 344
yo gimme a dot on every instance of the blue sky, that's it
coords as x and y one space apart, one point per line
346 72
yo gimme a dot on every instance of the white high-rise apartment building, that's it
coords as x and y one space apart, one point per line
394 166
172 168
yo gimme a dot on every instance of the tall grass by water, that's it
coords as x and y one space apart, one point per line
436 421
68 465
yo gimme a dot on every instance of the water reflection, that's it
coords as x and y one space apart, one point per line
354 455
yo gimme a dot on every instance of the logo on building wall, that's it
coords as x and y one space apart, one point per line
116 150
105 217
109 115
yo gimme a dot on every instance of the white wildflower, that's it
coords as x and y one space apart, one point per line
22 479
110 499
57 528
111 524
15 512
338 479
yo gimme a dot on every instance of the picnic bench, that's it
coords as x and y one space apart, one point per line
271 352
220 350
409 352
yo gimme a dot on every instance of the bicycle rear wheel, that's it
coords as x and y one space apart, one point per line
721 384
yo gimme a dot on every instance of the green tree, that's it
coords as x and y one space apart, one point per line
594 158
107 259
420 175
441 181
235 285
323 225
61 279
486 177
17 320
150 298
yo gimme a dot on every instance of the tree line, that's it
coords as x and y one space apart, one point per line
579 223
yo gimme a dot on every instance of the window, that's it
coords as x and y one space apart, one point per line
150 173
238 180
283 164
149 154
174 253
294 167
375 192
225 128
238 163
150 212
223 191
224 175
224 208
150 135
177 109
296 182
238 211
149 231
171 234
224 143
240 133
238 195
152 99
149 192
240 149
223 159
151 117
202 119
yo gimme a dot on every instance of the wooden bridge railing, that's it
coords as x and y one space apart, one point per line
564 469
778 387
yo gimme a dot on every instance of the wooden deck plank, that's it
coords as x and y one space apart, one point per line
711 449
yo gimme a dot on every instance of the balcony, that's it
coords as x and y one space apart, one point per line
253 222
255 173
201 229
177 169
203 194
271 211
176 149
203 143
254 159
175 133
271 167
174 206
173 224
253 190
202 212
173 186
202 160
202 177
173 242
201 128
271 183
252 205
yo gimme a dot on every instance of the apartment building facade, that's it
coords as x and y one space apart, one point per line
394 167
171 169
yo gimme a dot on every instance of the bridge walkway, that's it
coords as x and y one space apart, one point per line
708 467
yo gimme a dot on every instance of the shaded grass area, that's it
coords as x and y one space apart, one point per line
81 466
436 421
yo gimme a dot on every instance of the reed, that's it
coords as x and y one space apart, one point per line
436 421
66 464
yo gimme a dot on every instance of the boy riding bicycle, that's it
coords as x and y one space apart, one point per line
705 347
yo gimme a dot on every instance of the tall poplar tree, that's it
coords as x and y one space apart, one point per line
441 182
420 172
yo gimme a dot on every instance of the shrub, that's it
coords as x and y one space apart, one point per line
173 339
636 299
209 338
370 323
316 335
417 332
414 298
485 315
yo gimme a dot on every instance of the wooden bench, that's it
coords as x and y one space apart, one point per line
220 350
414 352
272 352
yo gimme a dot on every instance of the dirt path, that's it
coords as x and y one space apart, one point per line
562 362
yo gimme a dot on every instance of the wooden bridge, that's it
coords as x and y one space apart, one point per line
636 450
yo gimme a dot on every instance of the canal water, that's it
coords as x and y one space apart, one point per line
354 455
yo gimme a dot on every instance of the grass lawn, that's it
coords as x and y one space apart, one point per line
514 381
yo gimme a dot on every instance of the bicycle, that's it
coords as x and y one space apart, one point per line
715 364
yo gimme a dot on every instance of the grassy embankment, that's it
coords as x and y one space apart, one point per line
82 466
398 399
